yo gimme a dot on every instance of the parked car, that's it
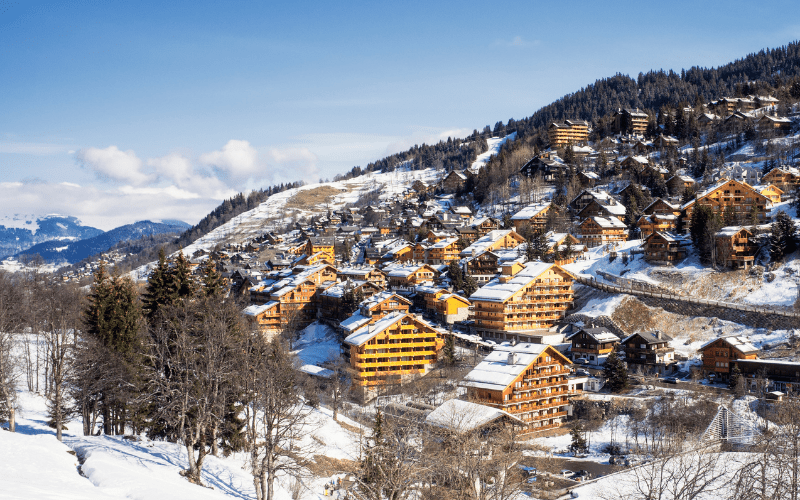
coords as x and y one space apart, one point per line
671 380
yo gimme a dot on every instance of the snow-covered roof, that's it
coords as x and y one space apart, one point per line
740 343
609 222
530 211
496 291
367 333
503 365
463 416
653 337
729 231
257 309
599 334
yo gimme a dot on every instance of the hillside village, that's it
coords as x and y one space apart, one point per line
609 267
426 260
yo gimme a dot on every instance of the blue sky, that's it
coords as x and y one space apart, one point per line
121 111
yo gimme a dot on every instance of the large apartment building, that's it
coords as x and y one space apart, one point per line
737 198
522 301
630 121
529 381
569 131
395 347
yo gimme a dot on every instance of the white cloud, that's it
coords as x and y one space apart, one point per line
104 208
237 159
299 162
111 163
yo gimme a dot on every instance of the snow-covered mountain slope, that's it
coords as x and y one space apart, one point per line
74 251
495 143
19 232
35 465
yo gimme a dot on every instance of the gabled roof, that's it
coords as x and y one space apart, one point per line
530 211
255 310
484 242
741 344
649 337
599 334
608 222
502 366
367 333
463 416
497 291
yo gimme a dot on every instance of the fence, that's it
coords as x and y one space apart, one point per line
686 300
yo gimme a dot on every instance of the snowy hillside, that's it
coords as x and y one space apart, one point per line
110 467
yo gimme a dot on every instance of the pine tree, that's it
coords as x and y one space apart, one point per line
113 313
181 277
615 373
449 350
212 279
159 292
783 239
578 444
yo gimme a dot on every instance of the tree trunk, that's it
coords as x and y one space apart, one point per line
59 417
107 430
12 419
214 447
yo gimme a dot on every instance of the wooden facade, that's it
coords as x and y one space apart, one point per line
568 132
736 197
666 248
529 381
597 231
719 354
395 347
735 247
523 299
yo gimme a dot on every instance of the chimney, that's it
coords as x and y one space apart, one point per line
658 334
512 358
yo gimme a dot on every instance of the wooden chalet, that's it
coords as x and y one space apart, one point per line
499 239
718 355
735 247
661 207
597 231
523 299
409 275
738 197
534 216
649 224
666 248
485 224
785 178
321 244
609 208
592 344
677 184
373 308
454 181
779 124
649 351
529 381
445 306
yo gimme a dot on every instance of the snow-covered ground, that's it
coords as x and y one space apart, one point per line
495 143
35 465
317 345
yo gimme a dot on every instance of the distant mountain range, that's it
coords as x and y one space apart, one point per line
20 232
71 251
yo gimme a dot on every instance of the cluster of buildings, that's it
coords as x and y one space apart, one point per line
383 276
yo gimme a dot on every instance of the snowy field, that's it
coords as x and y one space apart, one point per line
115 468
